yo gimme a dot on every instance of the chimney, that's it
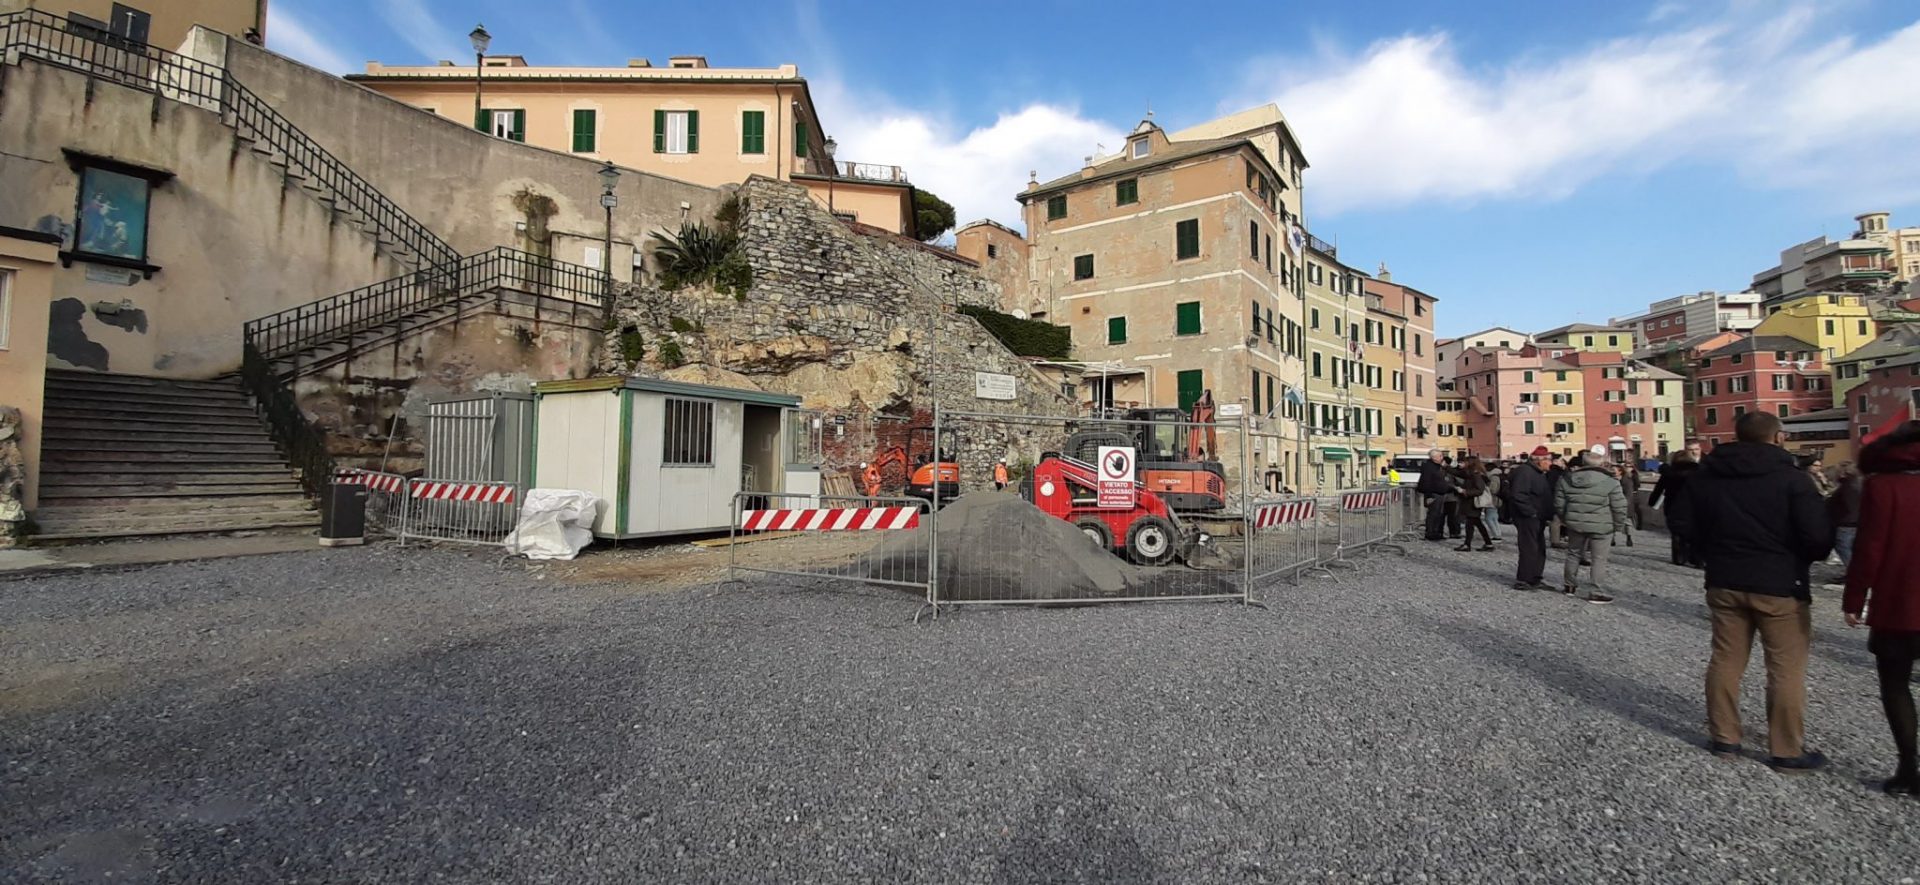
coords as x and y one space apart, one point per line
639 63
1086 171
1385 275
1033 179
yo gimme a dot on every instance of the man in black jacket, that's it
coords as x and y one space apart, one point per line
1435 488
1529 497
1758 522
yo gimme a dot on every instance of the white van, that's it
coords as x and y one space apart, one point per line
1409 467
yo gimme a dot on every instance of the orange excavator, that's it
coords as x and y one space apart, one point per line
921 476
1173 458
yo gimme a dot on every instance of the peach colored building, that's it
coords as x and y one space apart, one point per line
1002 255
1503 391
26 290
162 23
687 120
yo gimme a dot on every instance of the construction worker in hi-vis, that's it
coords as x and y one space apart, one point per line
1000 474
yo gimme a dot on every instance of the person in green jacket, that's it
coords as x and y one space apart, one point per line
1593 507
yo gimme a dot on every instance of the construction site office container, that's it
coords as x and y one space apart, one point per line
667 457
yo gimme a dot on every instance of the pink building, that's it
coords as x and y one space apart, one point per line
1502 389
1619 403
1891 390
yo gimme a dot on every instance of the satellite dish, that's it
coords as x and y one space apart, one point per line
1019 314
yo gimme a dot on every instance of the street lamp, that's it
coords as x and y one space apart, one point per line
609 179
481 40
833 169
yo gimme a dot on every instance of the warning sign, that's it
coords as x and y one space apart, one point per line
1116 477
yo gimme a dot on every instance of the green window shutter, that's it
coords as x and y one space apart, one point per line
1187 239
1190 384
799 138
1187 318
1083 267
1256 392
519 132
693 132
1126 192
1057 207
584 131
753 132
1116 330
659 132
480 118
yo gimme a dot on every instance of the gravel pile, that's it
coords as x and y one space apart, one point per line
369 715
997 546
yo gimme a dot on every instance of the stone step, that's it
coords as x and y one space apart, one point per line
64 433
89 398
98 490
69 377
173 526
106 419
98 442
185 460
209 505
145 471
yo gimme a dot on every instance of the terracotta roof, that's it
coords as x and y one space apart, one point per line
1761 344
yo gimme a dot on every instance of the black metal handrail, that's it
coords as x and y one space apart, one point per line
49 38
54 40
297 329
305 445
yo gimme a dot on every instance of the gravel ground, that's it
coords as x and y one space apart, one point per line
384 715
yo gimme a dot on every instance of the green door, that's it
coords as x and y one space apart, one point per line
1191 382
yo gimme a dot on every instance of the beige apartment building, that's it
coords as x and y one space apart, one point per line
1589 338
162 23
1165 262
687 120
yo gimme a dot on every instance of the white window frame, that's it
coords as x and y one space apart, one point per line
1140 148
500 124
676 124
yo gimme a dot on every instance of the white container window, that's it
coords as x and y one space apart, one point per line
687 435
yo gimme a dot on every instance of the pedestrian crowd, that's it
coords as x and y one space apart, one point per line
1753 519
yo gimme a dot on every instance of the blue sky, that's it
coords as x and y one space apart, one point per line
1529 163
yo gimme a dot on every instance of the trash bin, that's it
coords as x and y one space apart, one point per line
343 515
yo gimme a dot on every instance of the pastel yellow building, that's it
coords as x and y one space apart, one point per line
162 23
1563 408
1588 337
1669 410
687 120
1835 323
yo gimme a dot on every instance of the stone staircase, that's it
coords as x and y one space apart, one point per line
123 455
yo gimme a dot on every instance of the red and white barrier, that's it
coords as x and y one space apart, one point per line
1365 500
391 483
484 493
840 519
1270 515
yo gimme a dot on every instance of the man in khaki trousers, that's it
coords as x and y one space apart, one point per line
1759 523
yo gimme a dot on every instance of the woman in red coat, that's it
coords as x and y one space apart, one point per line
1886 572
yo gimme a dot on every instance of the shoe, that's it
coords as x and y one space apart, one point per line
1522 585
1485 549
1585 561
1570 589
1539 585
1629 540
1464 547
1903 783
1723 750
1811 760
1599 599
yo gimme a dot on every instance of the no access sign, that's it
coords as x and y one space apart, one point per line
1115 471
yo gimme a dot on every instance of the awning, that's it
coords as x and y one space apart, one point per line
1332 453
1377 453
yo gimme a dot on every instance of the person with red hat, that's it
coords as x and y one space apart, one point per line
1529 501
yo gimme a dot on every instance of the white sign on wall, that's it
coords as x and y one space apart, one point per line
1231 410
993 385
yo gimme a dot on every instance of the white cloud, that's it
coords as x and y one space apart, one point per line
291 35
978 170
415 25
1408 122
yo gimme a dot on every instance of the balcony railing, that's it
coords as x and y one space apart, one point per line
869 171
1322 246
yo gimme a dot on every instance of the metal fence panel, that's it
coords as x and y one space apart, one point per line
1284 538
878 540
484 438
459 512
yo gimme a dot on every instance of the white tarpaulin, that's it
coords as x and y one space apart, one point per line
554 524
